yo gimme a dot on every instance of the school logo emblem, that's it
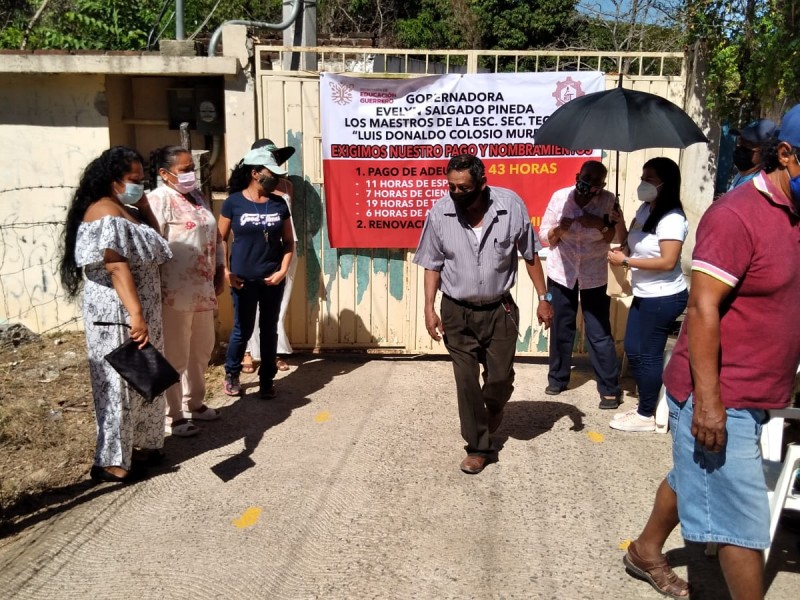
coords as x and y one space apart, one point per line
341 93
567 90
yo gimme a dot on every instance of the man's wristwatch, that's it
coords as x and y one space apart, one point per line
546 297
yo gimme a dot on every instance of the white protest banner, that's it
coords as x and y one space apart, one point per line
386 143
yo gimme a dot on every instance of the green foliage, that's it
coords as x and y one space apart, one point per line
119 24
753 54
104 24
437 24
486 24
518 25
80 24
11 37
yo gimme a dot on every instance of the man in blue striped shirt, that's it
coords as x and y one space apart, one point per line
468 249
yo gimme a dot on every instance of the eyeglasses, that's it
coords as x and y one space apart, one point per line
593 186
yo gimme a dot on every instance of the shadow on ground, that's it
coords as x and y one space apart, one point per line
526 419
36 508
248 418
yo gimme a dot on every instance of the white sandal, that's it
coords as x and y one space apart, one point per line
206 413
182 428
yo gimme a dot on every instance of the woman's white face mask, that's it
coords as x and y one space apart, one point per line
647 192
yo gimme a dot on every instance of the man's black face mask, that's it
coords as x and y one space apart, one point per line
585 189
743 158
465 199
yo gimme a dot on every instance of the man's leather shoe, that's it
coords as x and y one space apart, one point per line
494 421
554 390
473 464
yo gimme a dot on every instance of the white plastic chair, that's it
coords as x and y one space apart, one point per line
779 475
662 408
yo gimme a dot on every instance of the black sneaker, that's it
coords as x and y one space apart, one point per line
231 386
267 392
610 402
554 390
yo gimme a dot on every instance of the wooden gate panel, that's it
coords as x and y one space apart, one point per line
374 299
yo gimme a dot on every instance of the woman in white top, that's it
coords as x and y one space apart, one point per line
652 251
190 283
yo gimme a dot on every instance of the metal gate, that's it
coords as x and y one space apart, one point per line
373 299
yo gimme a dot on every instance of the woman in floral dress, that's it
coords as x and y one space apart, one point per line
114 257
190 283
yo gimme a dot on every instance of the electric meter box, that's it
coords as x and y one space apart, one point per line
208 111
181 107
201 107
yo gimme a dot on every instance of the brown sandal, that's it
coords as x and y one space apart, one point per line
657 573
281 364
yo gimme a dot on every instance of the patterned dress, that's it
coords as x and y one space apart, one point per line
124 419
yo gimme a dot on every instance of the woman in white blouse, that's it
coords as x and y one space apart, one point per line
190 283
652 252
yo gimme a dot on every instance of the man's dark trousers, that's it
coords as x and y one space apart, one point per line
595 305
475 338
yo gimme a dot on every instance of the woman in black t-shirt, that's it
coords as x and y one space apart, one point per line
263 246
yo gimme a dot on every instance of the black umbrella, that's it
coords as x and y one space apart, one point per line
619 119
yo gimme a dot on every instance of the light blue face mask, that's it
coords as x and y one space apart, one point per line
132 194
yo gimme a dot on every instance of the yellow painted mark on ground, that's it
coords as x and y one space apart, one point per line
623 545
595 437
249 518
322 417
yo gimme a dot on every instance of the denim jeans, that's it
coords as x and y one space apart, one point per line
722 496
595 305
268 300
649 323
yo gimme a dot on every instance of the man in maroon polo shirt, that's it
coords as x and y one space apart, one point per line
735 358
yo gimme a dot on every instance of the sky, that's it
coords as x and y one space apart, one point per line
610 7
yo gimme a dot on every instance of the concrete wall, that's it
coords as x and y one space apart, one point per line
57 113
51 126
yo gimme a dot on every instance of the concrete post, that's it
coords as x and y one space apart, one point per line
303 32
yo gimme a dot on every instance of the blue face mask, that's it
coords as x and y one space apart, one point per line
132 194
794 185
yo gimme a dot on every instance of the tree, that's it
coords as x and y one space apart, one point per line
631 25
117 24
485 24
753 54
341 17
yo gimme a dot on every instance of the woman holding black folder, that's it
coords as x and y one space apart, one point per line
112 253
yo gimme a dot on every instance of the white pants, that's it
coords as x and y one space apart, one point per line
284 347
188 344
